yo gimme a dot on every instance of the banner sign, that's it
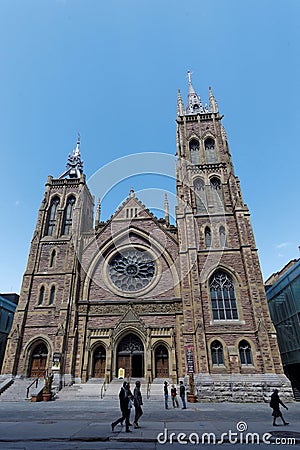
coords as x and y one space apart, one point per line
189 355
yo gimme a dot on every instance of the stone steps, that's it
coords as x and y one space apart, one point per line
18 390
92 390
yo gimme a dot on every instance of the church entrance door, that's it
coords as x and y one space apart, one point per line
38 361
161 362
130 356
99 361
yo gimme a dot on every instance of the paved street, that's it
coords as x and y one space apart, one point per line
61 425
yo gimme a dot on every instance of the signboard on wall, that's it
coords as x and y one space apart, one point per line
189 358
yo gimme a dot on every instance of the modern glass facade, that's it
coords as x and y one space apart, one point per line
8 304
284 304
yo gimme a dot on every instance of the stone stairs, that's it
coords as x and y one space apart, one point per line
18 390
82 391
94 389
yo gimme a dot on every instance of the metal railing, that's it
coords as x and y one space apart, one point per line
148 389
103 389
35 381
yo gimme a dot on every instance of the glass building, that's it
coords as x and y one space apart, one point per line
283 295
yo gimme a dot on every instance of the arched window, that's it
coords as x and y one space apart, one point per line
216 193
223 240
52 295
222 296
200 197
52 216
210 151
215 183
217 354
68 215
41 296
195 151
52 258
245 353
207 233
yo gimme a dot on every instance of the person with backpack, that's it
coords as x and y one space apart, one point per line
274 403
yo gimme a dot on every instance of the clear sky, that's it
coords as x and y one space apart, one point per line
111 69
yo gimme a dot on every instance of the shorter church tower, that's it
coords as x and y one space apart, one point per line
44 330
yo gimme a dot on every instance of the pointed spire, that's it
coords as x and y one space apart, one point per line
166 208
74 163
212 102
98 212
194 105
180 105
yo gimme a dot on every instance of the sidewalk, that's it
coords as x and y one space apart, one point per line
64 425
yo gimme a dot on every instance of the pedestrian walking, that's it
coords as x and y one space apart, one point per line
274 403
166 394
125 406
182 394
174 396
137 402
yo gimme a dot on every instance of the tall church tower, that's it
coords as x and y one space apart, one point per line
45 320
227 332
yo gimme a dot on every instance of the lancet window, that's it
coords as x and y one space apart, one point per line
222 295
68 215
52 213
217 354
210 151
195 151
245 353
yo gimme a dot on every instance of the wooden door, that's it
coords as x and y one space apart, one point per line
161 362
99 362
124 363
38 361
99 368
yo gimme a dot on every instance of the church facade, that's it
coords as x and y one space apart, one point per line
138 294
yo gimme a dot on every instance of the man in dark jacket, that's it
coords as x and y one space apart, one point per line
182 394
137 401
274 403
124 397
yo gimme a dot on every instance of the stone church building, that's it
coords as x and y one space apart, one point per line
139 294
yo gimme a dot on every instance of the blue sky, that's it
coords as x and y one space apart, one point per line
111 70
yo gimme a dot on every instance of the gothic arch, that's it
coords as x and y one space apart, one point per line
161 354
68 215
237 285
249 341
29 348
194 150
53 254
130 354
210 150
51 217
125 329
225 353
98 360
112 242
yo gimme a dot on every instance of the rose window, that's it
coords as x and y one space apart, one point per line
131 270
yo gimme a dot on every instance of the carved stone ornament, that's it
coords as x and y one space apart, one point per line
131 270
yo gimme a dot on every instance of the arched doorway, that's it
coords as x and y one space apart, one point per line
130 356
99 362
161 355
38 361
